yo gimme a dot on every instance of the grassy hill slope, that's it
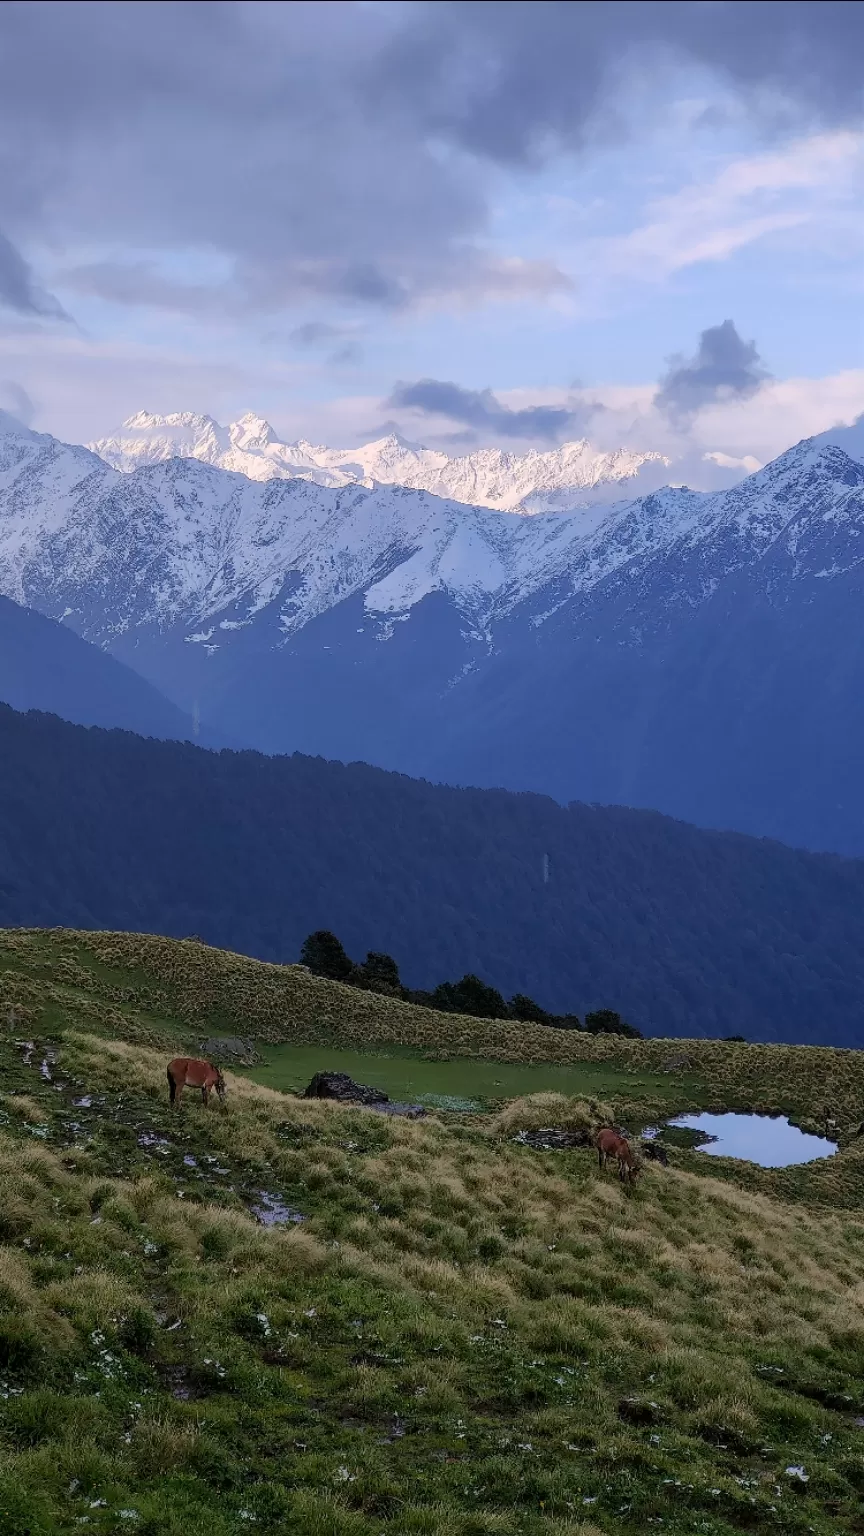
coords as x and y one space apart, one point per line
461 1337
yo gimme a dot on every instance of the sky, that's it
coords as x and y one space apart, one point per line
479 224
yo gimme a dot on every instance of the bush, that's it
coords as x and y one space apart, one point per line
471 996
378 973
525 1009
606 1022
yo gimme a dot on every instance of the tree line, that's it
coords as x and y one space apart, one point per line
325 955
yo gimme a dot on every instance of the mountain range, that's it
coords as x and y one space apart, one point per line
697 653
557 479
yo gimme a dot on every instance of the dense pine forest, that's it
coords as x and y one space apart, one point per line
679 930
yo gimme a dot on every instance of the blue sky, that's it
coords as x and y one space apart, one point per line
299 208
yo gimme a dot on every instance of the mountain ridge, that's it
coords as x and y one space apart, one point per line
696 652
686 932
557 479
45 666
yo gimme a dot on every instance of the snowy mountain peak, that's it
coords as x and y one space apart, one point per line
557 479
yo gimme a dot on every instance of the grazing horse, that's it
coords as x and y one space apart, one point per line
610 1144
188 1072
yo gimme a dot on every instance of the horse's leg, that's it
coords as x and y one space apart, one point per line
205 1096
180 1087
172 1087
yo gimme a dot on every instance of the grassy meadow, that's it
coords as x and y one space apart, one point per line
410 1076
461 1336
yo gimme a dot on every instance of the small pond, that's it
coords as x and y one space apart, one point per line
765 1139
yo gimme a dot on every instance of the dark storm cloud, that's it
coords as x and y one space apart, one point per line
724 367
295 150
482 410
515 81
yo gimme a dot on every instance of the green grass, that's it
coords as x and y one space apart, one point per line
407 1076
462 1338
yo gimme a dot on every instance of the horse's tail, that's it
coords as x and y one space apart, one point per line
172 1086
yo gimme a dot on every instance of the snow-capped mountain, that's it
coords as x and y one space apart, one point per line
699 653
573 475
179 541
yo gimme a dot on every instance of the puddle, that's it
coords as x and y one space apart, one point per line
273 1212
454 1103
768 1140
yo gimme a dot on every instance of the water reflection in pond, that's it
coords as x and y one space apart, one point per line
765 1139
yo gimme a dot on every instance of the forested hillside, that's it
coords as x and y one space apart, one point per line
683 931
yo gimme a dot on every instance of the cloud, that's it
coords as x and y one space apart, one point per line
316 331
751 198
348 151
724 367
482 411
19 290
519 81
15 399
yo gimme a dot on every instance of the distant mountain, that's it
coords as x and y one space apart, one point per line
573 475
686 932
44 666
699 653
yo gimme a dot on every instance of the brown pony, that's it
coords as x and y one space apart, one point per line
187 1072
610 1144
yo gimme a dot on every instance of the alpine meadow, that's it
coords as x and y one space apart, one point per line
431 768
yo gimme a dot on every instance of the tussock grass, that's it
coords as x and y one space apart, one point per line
535 1111
462 1336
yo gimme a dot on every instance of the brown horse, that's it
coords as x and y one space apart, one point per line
188 1072
610 1144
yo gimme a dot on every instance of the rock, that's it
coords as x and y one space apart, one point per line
407 1111
637 1411
654 1153
338 1085
552 1139
229 1048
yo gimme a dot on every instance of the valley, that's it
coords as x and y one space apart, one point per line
681 931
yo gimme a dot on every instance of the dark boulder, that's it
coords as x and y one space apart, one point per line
636 1410
338 1085
654 1153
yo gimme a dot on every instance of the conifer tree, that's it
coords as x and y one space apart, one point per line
325 956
